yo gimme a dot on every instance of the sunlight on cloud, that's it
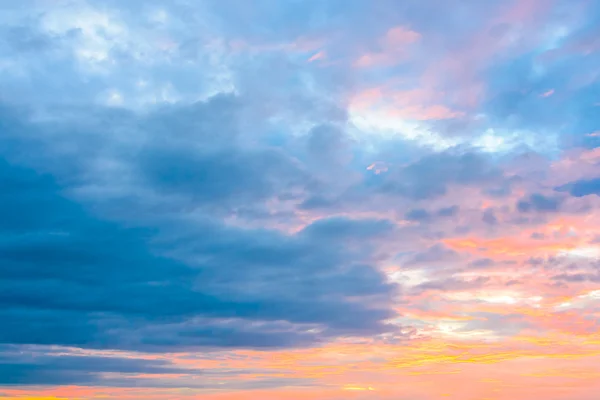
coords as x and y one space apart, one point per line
99 32
409 278
456 330
358 388
380 124
495 297
580 302
592 252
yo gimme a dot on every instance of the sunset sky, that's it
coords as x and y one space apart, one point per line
300 199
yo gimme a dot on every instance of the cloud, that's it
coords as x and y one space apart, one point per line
539 203
41 369
577 277
489 217
222 200
222 177
123 277
435 254
451 284
34 366
393 48
328 145
582 187
430 176
344 229
448 211
482 263
419 215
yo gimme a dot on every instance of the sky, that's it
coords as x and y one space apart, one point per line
303 200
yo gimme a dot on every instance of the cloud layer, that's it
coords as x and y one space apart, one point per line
305 200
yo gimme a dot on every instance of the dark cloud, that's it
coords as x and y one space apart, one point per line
317 202
213 123
489 217
328 145
448 211
435 254
39 369
112 272
539 203
26 39
482 263
224 178
338 228
577 277
419 215
430 176
582 187
41 365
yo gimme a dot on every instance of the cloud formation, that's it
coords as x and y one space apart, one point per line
304 200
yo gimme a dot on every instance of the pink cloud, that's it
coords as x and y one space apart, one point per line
459 69
548 93
415 104
318 56
393 48
400 36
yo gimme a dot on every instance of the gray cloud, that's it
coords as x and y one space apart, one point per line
582 187
539 203
430 176
109 272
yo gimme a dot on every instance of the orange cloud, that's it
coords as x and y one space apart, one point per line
512 246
